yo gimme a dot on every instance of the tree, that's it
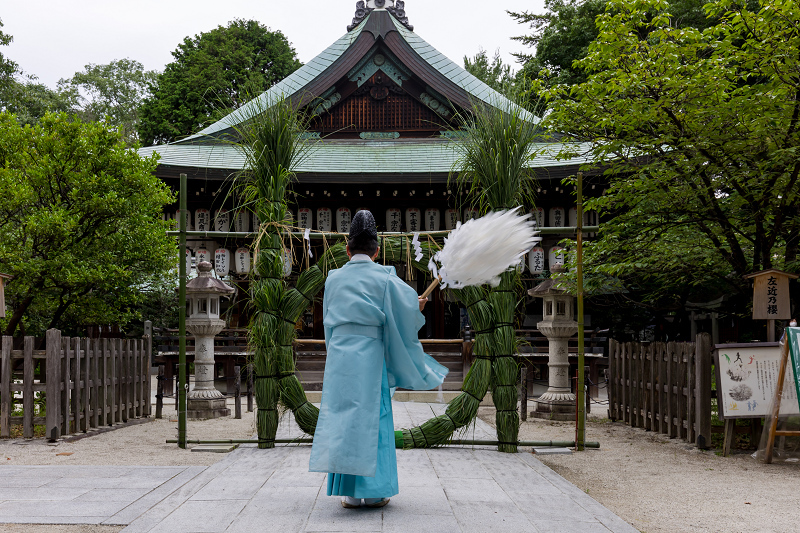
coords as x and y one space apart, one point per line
112 93
81 226
22 95
700 131
562 35
213 74
495 74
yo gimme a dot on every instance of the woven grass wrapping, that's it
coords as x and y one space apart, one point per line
462 410
504 367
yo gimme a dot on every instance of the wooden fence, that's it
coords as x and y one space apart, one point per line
663 387
87 383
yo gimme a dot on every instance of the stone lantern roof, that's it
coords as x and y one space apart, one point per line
205 283
549 287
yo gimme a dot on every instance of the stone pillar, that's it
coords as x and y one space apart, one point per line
558 402
204 400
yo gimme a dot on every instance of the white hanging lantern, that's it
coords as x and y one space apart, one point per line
188 261
287 263
203 219
324 218
201 255
256 223
222 261
242 261
557 217
188 215
304 218
573 217
242 221
394 219
536 260
413 219
451 218
432 219
222 220
538 216
470 213
556 256
343 218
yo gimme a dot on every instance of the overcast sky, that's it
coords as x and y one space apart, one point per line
53 39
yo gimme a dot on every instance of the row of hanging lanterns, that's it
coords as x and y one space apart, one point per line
240 261
415 219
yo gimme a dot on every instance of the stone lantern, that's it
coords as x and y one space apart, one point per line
558 325
203 294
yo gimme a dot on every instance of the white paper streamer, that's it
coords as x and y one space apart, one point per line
307 236
417 247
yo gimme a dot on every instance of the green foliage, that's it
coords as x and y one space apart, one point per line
112 93
700 132
494 73
80 224
211 75
495 154
562 35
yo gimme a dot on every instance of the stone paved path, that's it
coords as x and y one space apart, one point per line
444 490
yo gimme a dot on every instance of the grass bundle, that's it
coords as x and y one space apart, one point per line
504 366
294 397
463 409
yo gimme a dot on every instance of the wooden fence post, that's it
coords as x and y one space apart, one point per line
53 391
250 388
237 391
64 377
148 341
27 389
6 400
160 391
523 393
703 389
612 380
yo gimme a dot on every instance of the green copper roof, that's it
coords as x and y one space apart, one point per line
298 80
356 156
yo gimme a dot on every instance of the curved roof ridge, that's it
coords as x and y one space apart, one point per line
290 85
458 75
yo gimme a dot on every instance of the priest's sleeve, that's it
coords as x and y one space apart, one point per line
407 365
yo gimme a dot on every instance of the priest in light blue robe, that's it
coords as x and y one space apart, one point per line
371 320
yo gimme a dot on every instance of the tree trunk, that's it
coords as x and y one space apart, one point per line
16 318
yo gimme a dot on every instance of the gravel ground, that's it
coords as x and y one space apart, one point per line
653 482
662 485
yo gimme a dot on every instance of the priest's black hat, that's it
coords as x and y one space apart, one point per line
363 222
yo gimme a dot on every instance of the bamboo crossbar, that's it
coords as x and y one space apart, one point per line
88 383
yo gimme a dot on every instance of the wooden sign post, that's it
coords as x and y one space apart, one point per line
4 278
771 297
792 338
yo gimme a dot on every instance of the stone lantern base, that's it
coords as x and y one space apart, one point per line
206 409
206 405
554 406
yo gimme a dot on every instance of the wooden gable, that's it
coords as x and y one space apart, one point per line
380 105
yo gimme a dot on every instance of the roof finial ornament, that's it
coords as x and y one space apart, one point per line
395 7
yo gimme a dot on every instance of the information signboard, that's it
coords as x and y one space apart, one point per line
747 377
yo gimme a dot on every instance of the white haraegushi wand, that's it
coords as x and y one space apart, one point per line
478 251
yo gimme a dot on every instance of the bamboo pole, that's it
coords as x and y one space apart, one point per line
580 434
535 444
182 320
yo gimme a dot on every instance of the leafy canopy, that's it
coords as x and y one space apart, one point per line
211 75
700 132
112 93
81 228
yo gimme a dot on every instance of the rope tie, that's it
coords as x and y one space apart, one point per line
475 302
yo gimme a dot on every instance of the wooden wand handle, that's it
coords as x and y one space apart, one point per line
430 288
